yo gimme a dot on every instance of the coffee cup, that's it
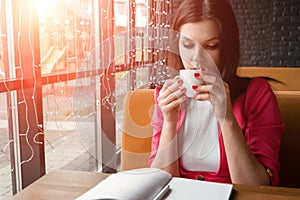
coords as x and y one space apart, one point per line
189 79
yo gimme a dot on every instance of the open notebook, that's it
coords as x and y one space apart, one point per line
155 184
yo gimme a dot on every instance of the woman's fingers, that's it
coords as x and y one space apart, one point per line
202 92
169 87
211 77
171 95
165 87
169 105
215 90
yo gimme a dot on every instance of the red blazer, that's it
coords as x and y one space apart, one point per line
258 115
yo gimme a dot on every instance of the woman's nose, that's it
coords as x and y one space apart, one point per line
197 54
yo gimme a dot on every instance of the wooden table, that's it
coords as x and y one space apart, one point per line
65 185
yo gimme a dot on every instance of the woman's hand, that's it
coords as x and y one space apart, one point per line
170 97
215 90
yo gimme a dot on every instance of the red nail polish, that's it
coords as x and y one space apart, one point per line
196 74
194 87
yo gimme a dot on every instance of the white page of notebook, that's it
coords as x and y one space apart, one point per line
181 188
136 184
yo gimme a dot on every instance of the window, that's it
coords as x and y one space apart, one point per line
64 69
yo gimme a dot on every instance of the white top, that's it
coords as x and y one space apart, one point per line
199 142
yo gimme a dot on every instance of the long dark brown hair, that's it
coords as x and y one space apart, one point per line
192 11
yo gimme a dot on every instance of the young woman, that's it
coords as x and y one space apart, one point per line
249 131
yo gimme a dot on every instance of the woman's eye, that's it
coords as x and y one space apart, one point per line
212 46
188 45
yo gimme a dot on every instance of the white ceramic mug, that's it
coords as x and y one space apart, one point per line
188 77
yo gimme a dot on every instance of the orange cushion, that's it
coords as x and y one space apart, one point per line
136 128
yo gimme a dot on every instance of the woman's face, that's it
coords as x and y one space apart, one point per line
196 37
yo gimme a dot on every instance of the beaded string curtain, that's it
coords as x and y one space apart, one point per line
39 77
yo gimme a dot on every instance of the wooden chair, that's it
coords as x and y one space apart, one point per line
287 91
136 129
289 104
